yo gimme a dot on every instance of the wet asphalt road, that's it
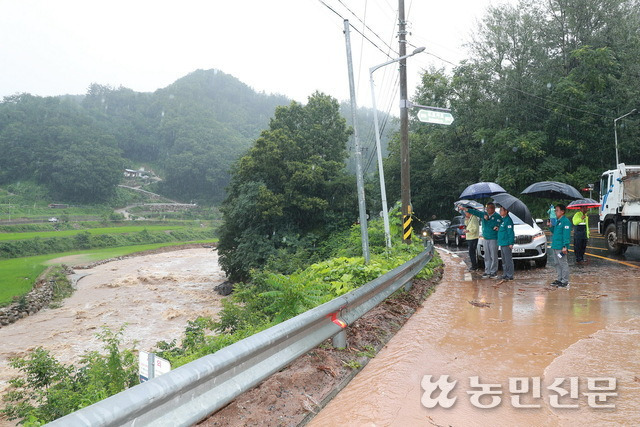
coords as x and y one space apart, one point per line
501 330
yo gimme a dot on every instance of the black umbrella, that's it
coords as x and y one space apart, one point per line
552 190
515 206
583 203
481 190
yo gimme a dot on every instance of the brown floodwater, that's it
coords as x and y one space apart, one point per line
528 330
153 295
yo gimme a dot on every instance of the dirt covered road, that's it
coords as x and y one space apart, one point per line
154 295
524 338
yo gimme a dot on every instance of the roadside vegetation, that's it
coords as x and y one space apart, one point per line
49 390
272 297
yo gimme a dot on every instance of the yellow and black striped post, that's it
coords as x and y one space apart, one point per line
407 229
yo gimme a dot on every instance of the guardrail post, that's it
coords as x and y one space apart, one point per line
407 286
339 340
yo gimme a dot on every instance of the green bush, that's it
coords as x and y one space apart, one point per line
48 390
272 297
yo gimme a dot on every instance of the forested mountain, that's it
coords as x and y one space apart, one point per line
191 132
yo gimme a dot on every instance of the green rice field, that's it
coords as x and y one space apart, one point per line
93 231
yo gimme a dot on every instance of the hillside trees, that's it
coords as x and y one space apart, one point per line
52 141
190 132
290 189
535 102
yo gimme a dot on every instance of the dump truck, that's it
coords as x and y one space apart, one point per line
619 220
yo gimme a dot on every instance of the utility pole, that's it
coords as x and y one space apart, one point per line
405 179
356 142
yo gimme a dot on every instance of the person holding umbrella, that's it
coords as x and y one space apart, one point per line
490 222
581 223
506 240
560 244
581 233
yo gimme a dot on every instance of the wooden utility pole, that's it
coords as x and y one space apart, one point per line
405 181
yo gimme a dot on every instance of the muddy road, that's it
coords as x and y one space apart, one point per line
154 295
520 336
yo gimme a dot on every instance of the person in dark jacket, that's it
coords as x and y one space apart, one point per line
506 240
560 242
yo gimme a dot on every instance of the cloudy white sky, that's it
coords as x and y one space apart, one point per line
292 47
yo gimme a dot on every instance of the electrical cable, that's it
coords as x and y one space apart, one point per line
355 29
367 27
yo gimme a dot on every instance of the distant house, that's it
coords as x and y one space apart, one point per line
130 173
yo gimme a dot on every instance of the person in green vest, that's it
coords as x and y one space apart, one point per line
580 233
506 240
560 241
472 230
490 222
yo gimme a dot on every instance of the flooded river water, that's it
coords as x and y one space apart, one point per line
154 295
521 337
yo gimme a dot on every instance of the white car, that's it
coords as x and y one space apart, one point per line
53 219
530 245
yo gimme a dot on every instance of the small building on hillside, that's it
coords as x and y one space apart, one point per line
130 173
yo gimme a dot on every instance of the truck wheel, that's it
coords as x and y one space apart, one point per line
610 241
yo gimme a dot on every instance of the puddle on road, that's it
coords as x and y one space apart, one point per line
529 330
155 295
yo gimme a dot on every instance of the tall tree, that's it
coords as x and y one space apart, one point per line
536 101
291 184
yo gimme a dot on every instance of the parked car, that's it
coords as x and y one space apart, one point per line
53 219
435 229
456 231
530 245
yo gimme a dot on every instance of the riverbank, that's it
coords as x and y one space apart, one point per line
155 295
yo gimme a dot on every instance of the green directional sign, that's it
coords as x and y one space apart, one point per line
435 117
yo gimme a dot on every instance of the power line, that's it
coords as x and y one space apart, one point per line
355 29
366 26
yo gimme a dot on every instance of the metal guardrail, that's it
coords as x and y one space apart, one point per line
193 391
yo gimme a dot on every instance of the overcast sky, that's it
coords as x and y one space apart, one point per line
292 47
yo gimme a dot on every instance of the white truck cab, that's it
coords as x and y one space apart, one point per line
619 219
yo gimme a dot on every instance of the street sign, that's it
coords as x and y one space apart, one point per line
151 366
435 117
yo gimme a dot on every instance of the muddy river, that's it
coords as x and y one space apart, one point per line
154 295
522 339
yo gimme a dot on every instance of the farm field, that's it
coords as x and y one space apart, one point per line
93 231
